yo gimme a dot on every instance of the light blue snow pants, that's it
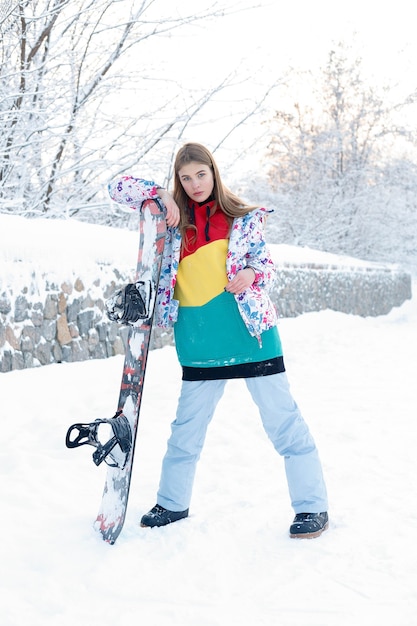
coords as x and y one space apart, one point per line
282 422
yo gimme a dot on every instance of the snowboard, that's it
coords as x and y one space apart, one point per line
119 451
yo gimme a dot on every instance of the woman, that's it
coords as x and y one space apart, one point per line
214 290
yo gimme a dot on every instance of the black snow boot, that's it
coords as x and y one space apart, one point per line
309 525
158 516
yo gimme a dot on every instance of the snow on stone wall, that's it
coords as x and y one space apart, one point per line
364 291
55 276
48 321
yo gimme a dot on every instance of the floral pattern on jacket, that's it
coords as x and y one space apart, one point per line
247 248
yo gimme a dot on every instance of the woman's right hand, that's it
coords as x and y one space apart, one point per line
173 212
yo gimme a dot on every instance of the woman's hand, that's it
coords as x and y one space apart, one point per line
173 212
242 281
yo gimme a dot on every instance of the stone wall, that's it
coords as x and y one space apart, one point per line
51 322
364 291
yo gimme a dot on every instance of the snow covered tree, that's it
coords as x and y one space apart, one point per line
80 100
332 165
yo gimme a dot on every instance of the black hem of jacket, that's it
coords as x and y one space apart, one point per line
242 370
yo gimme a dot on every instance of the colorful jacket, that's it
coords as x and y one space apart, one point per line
247 248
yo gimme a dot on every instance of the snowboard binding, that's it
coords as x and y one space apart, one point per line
131 303
115 451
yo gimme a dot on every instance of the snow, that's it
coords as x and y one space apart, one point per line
60 248
231 562
285 254
63 248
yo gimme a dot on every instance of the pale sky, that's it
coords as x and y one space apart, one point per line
264 42
300 33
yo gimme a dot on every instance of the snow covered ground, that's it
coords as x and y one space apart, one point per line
231 562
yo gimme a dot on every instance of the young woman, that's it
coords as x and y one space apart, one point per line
214 290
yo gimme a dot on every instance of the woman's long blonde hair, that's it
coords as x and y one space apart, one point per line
231 205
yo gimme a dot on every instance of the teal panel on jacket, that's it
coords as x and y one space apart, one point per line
214 335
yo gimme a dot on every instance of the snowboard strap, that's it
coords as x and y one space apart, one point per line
87 434
131 304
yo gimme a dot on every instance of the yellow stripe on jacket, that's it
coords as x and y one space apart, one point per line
202 275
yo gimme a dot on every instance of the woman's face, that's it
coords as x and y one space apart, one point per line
197 181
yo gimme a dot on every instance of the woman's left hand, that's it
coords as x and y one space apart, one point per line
242 281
